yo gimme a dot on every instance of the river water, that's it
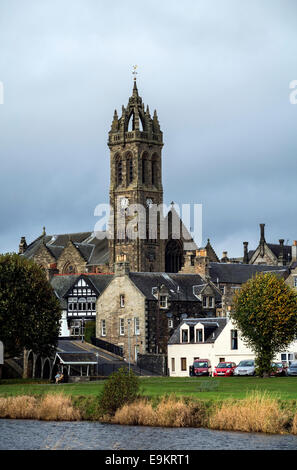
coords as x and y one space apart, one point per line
38 435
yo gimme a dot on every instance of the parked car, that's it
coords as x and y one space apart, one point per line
224 369
202 367
279 368
292 369
246 367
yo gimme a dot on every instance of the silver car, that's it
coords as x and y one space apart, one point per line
292 369
246 367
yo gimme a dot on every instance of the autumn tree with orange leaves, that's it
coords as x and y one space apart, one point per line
265 312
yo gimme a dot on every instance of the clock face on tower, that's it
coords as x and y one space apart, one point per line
149 202
124 202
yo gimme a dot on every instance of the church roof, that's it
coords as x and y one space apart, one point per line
94 250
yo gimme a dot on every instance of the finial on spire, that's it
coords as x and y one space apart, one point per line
43 232
134 71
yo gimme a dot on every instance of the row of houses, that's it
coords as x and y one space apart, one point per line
144 313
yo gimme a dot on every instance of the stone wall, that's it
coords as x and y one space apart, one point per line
71 257
156 363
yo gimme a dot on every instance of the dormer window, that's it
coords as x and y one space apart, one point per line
163 301
208 302
185 336
199 335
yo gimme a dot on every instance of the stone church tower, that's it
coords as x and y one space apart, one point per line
135 142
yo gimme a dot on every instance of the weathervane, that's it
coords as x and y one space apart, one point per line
134 71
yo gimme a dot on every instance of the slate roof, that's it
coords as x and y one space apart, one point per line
235 273
212 329
77 358
180 286
63 283
94 250
276 250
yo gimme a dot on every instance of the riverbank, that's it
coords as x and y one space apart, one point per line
258 412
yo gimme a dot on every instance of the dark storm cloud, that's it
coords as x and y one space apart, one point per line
217 72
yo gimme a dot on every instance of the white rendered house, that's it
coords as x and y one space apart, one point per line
216 339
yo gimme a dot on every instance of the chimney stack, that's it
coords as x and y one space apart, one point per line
245 253
262 239
22 246
281 252
121 266
225 258
294 251
262 230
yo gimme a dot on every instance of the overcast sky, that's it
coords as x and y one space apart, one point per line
218 73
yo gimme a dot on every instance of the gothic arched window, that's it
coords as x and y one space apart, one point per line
118 170
144 168
154 170
69 268
173 256
129 169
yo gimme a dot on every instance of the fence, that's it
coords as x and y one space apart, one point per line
118 350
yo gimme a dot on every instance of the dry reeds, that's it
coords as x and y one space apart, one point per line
56 407
170 412
294 424
256 413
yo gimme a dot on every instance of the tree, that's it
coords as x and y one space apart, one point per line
265 312
29 309
121 388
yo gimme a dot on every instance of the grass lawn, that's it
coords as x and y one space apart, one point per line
217 388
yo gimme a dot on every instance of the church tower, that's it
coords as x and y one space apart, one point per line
135 142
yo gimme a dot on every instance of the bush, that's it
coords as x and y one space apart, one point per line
90 330
122 387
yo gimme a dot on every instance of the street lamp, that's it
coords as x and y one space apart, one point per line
97 356
129 345
82 330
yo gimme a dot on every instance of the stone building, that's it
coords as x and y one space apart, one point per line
270 253
138 311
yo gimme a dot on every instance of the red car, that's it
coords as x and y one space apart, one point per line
224 369
279 368
202 367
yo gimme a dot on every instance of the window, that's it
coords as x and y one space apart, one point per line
136 326
129 170
222 359
172 364
170 323
103 328
119 172
163 301
185 336
122 300
210 302
154 172
204 301
295 281
183 363
234 339
122 326
199 335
